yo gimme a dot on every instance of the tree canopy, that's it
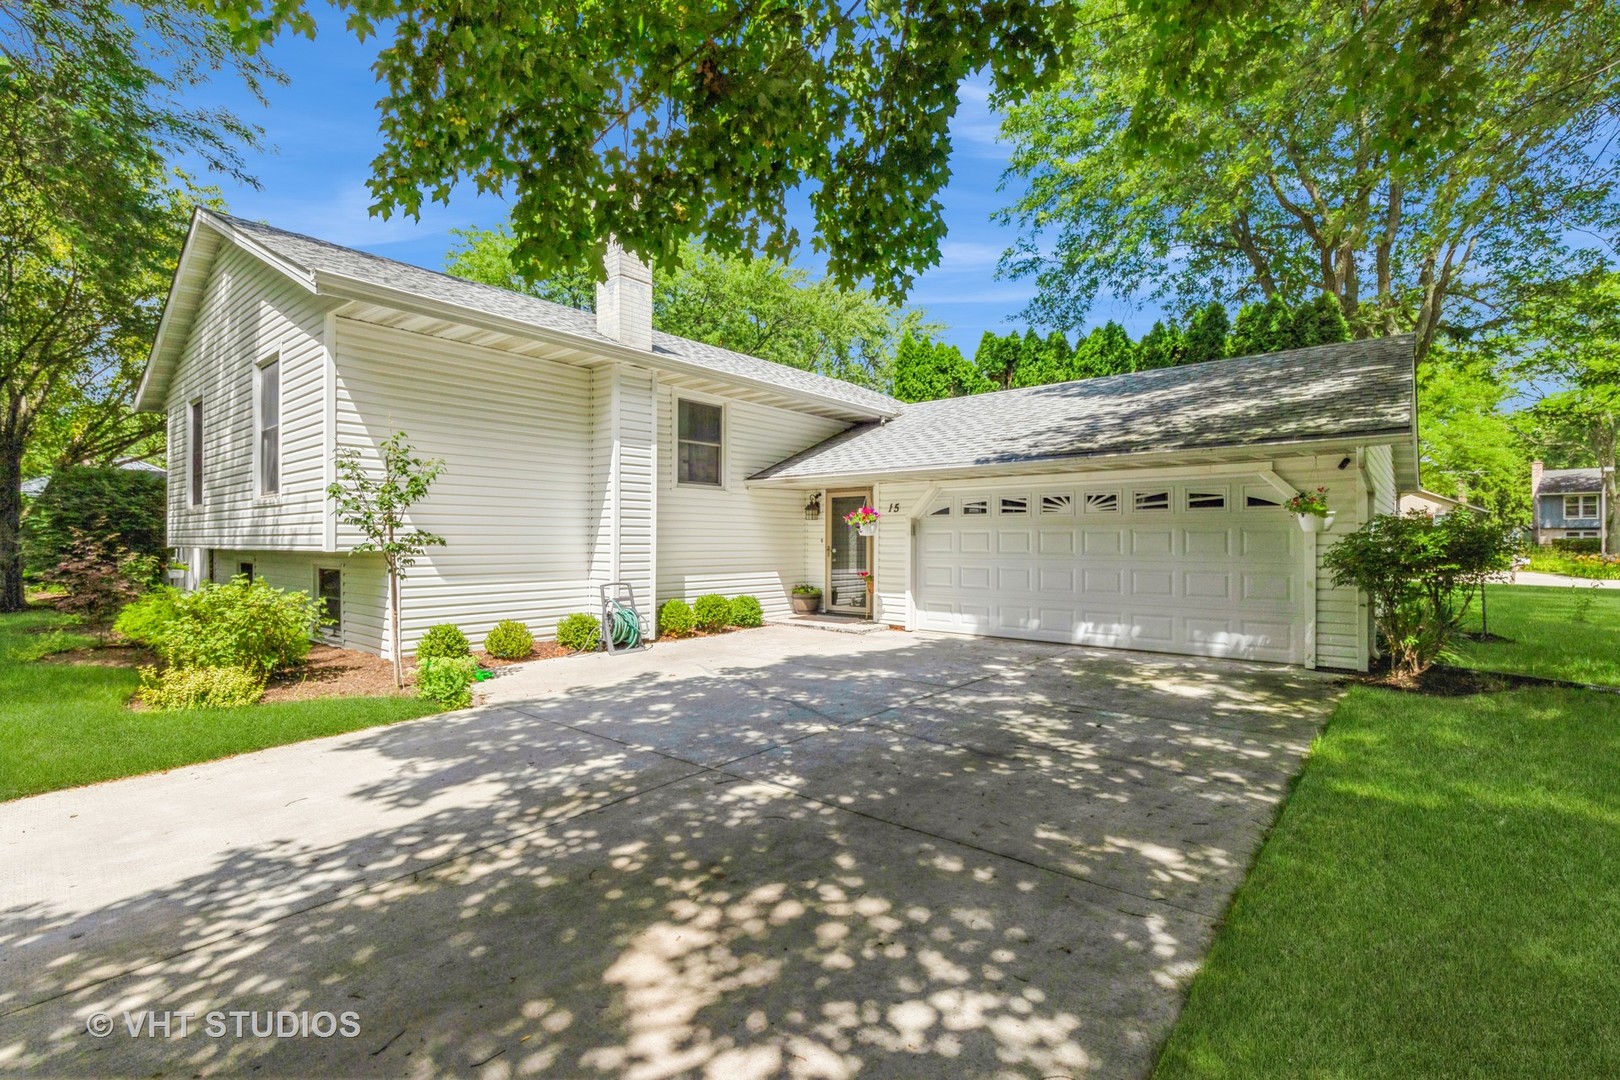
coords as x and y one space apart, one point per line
1274 175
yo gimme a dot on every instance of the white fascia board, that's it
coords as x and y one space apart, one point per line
337 285
1232 458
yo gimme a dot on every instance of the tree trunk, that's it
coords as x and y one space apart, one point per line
11 554
393 622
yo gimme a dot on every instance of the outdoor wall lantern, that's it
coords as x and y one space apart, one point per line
812 509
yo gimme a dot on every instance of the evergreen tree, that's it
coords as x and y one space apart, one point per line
1320 322
1107 350
1042 361
997 358
1206 334
1161 347
1263 328
925 370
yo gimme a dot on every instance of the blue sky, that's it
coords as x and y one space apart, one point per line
321 131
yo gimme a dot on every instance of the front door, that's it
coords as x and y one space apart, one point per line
849 556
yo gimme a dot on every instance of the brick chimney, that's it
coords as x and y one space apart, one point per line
1536 468
624 299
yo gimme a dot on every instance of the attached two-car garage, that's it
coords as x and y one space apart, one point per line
1210 568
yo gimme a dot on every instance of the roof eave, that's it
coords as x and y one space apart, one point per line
349 288
1059 462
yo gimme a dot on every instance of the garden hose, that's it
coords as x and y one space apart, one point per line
625 631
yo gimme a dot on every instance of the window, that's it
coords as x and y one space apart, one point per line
194 447
1057 504
1102 502
1152 500
1580 506
698 444
245 569
942 510
329 591
1206 500
1015 504
975 506
1582 534
1260 498
268 413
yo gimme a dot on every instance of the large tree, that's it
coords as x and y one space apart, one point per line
762 307
89 225
1270 173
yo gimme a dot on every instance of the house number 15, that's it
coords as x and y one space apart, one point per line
894 508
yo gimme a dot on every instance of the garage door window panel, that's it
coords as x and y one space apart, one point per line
1102 502
1148 502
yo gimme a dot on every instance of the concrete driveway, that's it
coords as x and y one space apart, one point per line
785 852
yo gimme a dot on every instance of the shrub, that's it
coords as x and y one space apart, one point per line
745 611
443 640
143 620
447 680
245 624
128 504
1578 545
1421 573
510 640
805 589
711 611
98 576
675 618
580 632
1581 566
200 687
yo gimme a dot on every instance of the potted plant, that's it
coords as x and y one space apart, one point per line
806 599
864 520
1310 509
871 587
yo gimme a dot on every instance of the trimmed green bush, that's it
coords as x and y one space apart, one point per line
127 505
675 618
745 611
447 680
1578 545
446 639
711 611
580 632
510 640
245 624
144 619
200 687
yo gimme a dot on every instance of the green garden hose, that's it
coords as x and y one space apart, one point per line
626 628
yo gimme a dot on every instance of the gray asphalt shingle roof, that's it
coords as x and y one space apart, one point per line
321 256
1350 389
1570 481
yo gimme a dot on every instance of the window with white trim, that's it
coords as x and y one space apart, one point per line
194 452
1580 506
267 422
329 592
698 443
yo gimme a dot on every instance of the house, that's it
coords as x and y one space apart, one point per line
1569 504
1434 504
1142 510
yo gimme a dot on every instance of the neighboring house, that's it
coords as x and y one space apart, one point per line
1140 511
1435 505
1568 503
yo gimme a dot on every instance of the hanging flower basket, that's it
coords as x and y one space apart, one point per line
864 520
1310 509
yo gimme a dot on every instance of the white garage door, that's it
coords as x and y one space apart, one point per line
1209 569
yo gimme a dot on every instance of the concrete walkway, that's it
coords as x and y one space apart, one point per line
1530 577
775 853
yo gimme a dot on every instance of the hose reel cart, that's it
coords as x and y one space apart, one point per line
622 625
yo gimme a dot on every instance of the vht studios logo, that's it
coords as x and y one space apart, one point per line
227 1024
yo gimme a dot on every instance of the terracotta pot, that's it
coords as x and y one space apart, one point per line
806 605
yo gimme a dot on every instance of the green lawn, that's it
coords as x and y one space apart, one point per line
1440 896
1545 637
64 725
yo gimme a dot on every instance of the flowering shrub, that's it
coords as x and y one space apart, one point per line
1597 567
1310 502
866 515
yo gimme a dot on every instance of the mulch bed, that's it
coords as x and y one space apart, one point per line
333 672
1443 681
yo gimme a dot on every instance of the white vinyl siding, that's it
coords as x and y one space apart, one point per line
248 312
734 539
622 496
365 587
515 500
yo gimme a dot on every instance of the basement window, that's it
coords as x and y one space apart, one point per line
329 591
1057 504
698 443
1152 500
245 570
1102 502
1206 500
